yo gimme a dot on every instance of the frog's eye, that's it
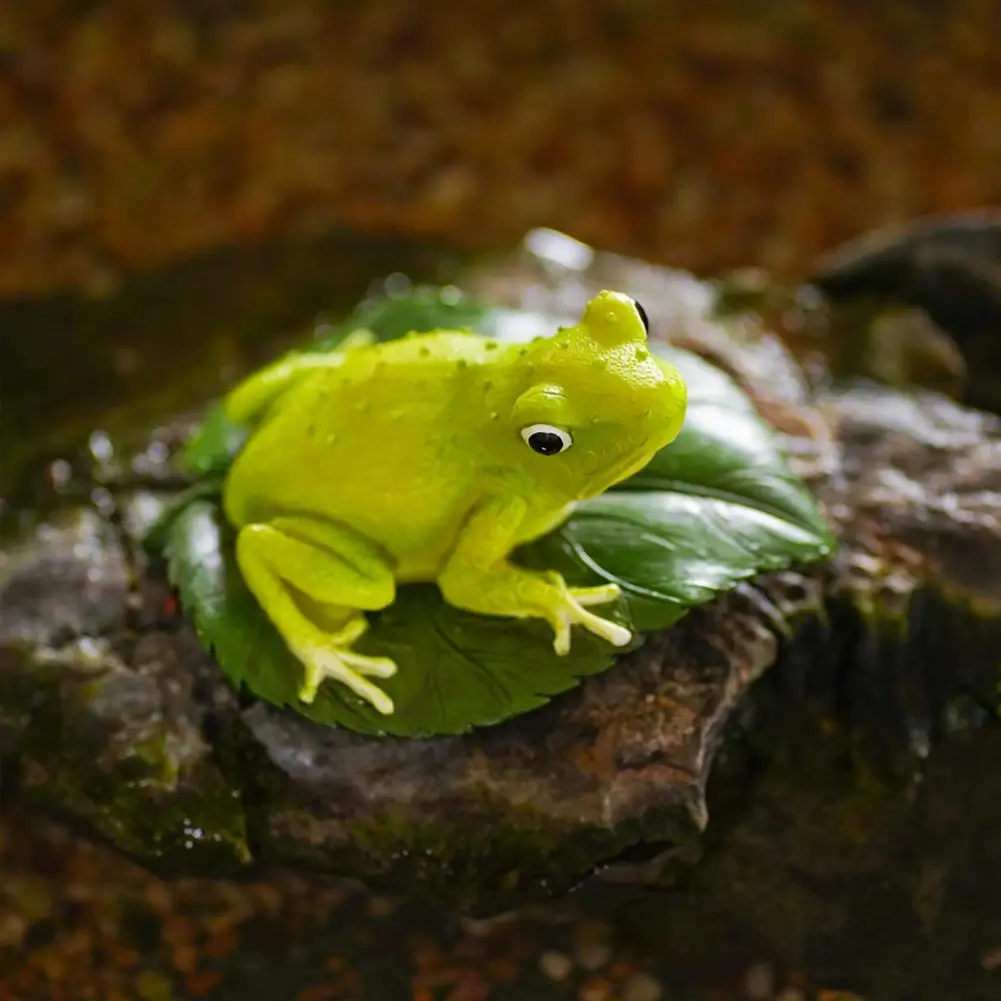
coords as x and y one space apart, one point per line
643 316
545 439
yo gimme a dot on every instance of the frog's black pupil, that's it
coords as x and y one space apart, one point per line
545 442
643 316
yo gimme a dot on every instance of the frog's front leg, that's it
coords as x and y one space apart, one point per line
314 578
479 578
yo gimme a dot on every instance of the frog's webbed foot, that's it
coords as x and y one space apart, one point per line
332 657
570 609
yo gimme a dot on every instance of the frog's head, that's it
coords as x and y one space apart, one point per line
598 404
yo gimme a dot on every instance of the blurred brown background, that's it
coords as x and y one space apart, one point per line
705 134
702 133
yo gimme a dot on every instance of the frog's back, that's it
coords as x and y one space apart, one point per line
384 442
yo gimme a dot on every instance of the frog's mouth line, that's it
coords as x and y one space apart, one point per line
619 472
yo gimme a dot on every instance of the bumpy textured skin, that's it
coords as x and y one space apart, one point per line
405 461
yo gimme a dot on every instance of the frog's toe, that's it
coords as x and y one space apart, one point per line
601 595
372 667
561 639
611 631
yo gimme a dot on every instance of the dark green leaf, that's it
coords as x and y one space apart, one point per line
157 537
213 445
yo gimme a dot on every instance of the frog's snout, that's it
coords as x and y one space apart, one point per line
669 410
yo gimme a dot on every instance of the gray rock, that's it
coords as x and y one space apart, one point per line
67 579
920 297
105 723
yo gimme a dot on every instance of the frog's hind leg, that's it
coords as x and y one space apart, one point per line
314 579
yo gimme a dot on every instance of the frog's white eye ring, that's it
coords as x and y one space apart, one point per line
545 439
